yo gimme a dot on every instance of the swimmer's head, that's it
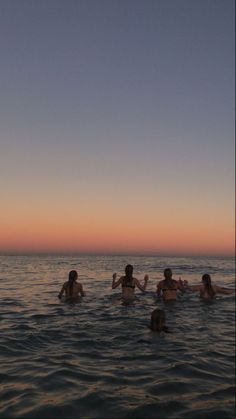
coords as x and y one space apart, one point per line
206 279
158 319
129 271
73 276
168 273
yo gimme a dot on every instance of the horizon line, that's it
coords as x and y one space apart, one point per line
120 254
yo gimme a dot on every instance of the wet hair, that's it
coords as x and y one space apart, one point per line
167 271
72 277
128 273
206 279
158 318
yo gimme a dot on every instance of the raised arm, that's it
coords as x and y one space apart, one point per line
82 293
115 283
140 286
180 286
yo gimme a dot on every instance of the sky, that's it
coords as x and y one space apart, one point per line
117 126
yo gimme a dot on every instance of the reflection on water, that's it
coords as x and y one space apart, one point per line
97 358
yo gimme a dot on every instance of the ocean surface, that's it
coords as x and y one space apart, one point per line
97 358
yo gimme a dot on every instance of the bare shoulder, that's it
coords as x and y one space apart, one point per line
160 283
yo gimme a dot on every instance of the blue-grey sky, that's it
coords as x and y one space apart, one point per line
124 100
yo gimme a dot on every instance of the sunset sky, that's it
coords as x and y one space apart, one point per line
117 126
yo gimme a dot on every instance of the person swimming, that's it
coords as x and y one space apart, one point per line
207 291
169 287
128 283
158 320
71 288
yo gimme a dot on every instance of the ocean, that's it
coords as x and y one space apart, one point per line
97 358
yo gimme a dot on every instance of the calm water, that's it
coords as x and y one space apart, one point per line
97 358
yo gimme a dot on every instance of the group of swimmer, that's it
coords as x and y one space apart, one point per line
167 288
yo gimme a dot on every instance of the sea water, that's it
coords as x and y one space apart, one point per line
97 358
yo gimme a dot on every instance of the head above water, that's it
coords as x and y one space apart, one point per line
73 276
129 271
206 279
158 319
168 273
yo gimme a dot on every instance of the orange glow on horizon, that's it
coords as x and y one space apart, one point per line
115 235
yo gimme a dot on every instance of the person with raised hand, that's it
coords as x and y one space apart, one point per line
168 287
128 283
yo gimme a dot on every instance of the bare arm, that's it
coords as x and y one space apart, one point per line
82 293
144 286
115 283
61 292
223 290
193 287
159 288
145 279
180 286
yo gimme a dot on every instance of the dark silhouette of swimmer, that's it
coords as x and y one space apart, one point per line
71 288
169 287
128 283
158 321
207 291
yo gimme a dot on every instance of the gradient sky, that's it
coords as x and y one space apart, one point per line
117 126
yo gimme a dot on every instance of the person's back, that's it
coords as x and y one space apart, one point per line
128 287
128 283
168 287
71 288
207 291
73 291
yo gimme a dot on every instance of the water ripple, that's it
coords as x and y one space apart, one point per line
98 359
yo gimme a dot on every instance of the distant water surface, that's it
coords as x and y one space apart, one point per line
97 358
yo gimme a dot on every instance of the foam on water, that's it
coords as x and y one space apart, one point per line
97 358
